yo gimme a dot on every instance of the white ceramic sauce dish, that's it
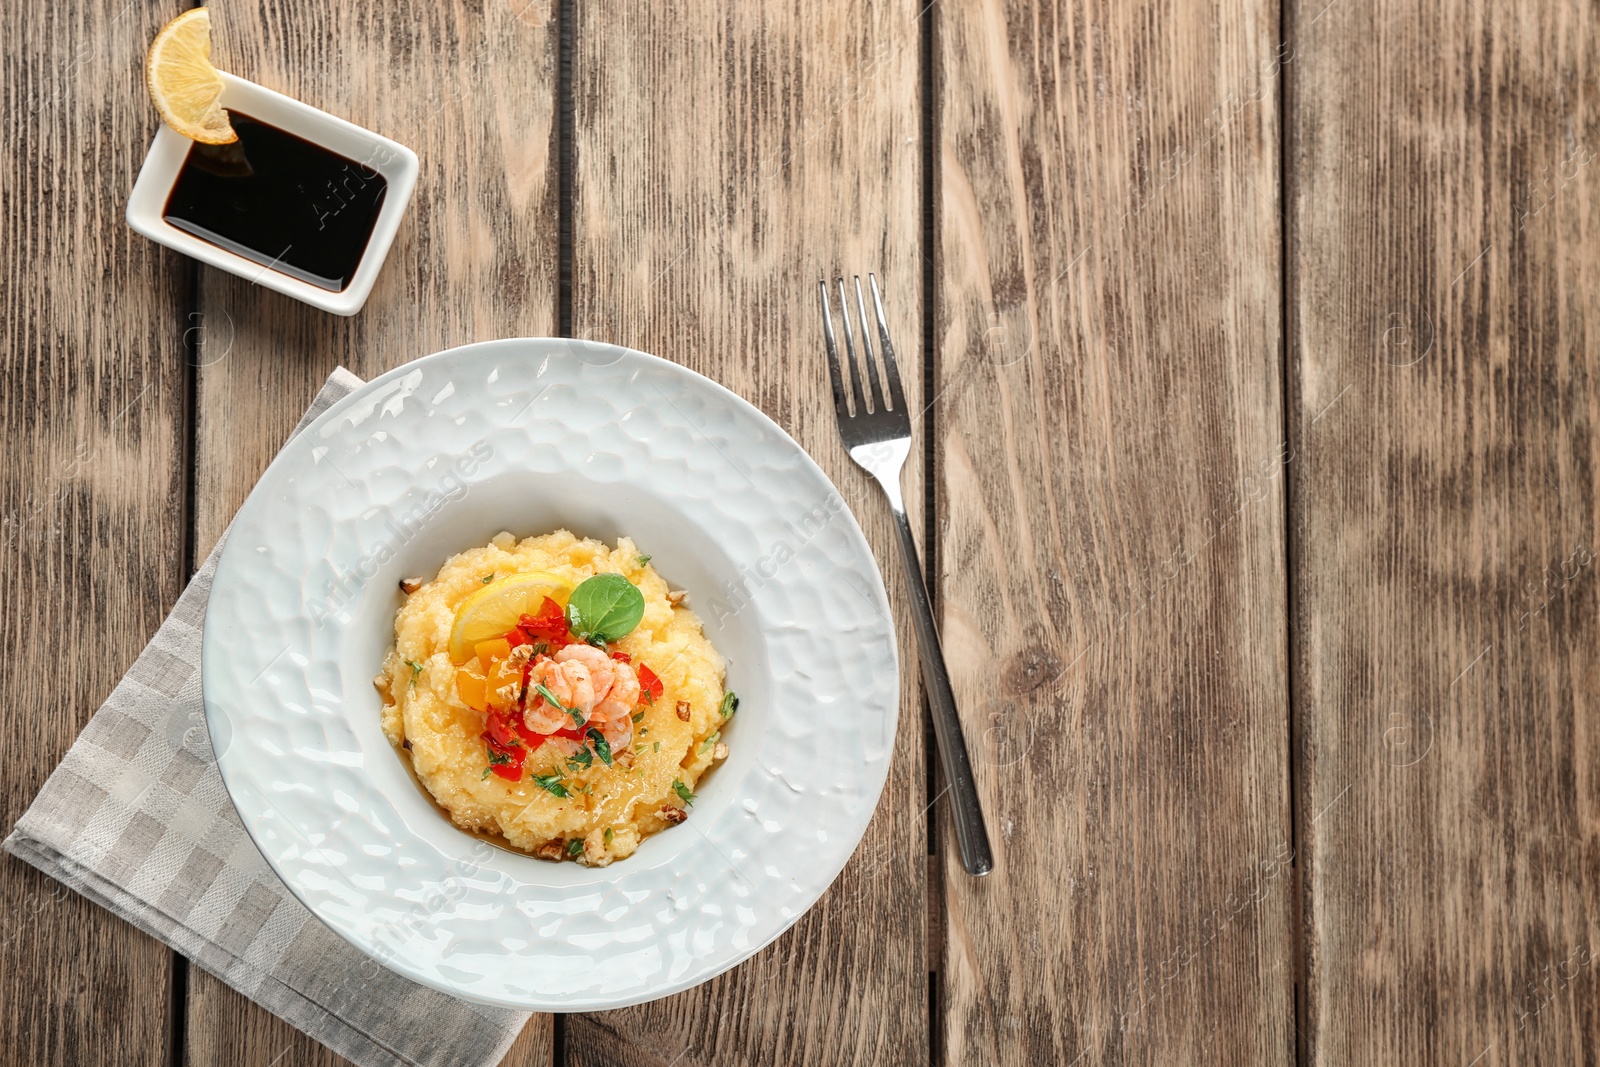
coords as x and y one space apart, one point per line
170 149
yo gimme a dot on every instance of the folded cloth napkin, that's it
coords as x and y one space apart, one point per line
137 819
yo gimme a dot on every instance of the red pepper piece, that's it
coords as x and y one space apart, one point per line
622 657
532 738
650 687
506 754
498 731
550 624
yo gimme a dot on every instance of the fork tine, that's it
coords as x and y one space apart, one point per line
897 395
850 351
868 364
839 406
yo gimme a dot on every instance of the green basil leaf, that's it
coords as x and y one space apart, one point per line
606 607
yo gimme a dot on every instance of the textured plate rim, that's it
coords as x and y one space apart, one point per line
231 555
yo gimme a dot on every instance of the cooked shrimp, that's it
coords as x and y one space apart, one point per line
570 684
616 684
618 733
563 746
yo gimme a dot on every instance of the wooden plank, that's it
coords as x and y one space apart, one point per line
1442 288
728 156
91 490
469 87
1110 499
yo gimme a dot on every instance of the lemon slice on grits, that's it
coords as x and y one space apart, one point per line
184 84
492 611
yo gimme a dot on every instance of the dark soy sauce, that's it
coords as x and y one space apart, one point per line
280 201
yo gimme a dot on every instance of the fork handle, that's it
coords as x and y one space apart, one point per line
971 837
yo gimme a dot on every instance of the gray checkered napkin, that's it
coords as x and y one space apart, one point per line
137 819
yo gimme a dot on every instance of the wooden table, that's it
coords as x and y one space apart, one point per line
1260 417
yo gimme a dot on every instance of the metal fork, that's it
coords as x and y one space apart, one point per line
878 437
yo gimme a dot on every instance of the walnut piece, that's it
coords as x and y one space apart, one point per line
410 585
595 853
672 814
720 752
683 710
555 849
675 597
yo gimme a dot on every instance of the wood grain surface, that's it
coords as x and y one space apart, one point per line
1249 348
728 156
1110 501
1441 280
470 88
92 477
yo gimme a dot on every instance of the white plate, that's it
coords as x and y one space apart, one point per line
527 436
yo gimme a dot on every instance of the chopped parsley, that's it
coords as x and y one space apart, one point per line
607 835
498 759
637 716
486 771
683 791
582 760
730 704
602 747
488 578
574 846
713 739
550 698
643 560
658 746
551 783
416 669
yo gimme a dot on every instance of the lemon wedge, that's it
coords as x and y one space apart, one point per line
492 611
184 84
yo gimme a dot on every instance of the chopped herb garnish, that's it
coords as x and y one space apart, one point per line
648 697
643 560
607 835
416 669
730 704
498 759
658 745
708 742
602 747
486 771
551 783
488 578
582 761
550 698
574 846
683 791
637 716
